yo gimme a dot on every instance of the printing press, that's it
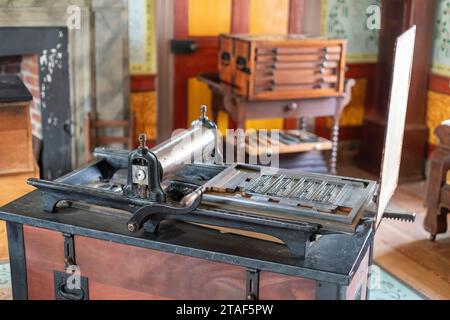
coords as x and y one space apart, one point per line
185 179
150 217
156 184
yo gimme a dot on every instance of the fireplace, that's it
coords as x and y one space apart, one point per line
40 56
80 70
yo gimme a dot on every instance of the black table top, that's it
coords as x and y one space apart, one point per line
332 258
12 89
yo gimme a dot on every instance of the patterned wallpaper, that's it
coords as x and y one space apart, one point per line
438 111
354 20
141 23
441 54
439 103
348 19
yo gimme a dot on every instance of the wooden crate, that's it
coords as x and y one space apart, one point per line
277 67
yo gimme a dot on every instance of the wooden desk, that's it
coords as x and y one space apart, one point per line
241 110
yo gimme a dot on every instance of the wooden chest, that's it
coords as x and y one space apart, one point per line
181 261
277 67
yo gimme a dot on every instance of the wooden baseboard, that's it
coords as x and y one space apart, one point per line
439 83
143 83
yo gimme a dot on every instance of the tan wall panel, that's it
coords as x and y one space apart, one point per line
438 111
272 17
209 17
143 105
353 114
269 16
198 94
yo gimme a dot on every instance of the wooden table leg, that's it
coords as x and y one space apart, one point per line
341 103
215 105
303 124
335 139
241 117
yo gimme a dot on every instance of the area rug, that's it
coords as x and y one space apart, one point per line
5 282
388 287
383 286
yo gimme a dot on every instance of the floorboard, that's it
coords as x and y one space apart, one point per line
404 249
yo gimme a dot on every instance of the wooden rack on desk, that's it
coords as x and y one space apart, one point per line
240 109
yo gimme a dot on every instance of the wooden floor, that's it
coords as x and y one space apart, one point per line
404 249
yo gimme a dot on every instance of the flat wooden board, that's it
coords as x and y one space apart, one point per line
398 104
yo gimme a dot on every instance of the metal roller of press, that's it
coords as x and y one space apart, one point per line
195 144
148 168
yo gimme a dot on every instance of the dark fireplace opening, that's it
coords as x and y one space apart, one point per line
39 55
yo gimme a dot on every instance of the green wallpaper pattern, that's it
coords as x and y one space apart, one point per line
441 53
349 19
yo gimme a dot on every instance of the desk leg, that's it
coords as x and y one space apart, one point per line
335 143
17 261
215 105
241 117
341 103
304 124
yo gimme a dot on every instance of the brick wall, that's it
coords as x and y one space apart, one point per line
30 76
27 67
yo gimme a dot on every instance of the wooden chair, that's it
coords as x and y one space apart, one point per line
94 136
438 191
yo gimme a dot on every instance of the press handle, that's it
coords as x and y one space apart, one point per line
187 205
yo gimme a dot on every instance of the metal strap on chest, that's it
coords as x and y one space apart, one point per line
252 284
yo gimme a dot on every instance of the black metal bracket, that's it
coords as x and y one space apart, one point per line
252 284
151 214
154 171
69 250
296 238
183 46
63 290
70 285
